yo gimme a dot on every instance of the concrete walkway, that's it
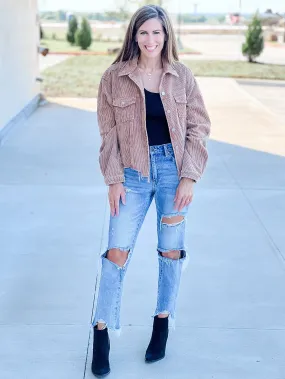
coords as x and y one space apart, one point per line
54 222
51 60
228 47
271 93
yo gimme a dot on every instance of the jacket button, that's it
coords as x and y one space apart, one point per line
162 93
168 110
173 129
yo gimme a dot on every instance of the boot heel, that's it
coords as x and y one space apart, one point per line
156 348
101 348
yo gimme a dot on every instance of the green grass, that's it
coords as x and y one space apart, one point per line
236 69
187 50
64 46
60 32
76 77
80 76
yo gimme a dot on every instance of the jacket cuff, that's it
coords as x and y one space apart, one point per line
114 179
190 175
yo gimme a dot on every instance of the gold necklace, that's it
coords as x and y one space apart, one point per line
149 74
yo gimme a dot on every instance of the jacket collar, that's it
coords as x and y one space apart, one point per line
131 65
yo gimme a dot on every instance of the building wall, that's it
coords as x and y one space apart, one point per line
19 38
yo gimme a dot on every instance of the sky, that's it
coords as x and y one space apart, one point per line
216 6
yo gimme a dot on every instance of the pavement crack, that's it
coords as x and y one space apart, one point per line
95 289
275 248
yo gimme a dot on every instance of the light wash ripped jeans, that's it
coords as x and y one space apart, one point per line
124 229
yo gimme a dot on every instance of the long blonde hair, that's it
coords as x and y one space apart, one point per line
130 48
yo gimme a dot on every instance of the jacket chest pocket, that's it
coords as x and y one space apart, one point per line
181 104
124 109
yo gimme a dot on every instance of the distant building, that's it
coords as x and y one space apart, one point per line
233 18
269 18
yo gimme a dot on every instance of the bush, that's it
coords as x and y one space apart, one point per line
83 36
72 29
254 43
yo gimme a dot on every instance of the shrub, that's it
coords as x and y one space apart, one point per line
83 36
254 43
72 29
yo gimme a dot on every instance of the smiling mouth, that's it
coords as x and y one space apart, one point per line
150 48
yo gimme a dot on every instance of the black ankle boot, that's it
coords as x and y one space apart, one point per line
157 345
101 348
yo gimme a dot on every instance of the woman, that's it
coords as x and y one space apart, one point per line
153 125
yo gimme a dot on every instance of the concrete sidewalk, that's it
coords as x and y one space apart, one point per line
51 60
54 221
229 48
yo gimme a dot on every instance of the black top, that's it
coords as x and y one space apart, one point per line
156 123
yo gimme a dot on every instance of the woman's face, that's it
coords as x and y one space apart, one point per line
150 38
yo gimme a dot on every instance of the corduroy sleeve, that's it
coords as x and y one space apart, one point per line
109 158
197 131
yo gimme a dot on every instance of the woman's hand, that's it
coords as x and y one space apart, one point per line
116 191
184 193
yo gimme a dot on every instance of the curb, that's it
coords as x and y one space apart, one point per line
21 116
275 44
77 53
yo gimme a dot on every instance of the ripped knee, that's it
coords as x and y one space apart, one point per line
173 254
117 256
172 220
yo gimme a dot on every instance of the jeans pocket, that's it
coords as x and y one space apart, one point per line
131 176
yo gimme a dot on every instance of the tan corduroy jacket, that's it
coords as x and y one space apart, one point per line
122 121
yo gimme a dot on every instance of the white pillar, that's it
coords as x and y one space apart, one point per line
19 67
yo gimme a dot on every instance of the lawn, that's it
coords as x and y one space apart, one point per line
65 47
80 76
60 31
76 76
237 69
